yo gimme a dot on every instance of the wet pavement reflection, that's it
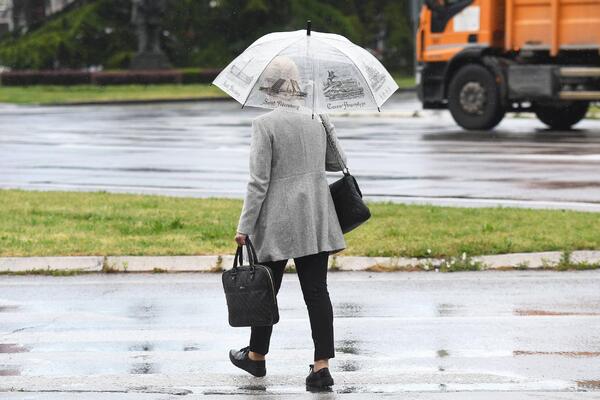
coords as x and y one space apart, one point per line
201 149
415 333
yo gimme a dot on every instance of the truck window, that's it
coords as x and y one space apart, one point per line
443 10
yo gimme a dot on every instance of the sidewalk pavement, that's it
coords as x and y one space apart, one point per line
216 263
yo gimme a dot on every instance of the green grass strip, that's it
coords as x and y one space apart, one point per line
47 94
75 223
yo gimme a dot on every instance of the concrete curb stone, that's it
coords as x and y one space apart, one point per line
215 263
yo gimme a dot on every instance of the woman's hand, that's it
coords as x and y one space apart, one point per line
240 238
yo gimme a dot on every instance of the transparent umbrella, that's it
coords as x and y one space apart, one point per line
307 72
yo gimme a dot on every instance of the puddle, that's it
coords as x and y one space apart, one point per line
143 368
574 354
348 347
529 313
347 310
143 312
447 310
9 308
9 370
141 347
553 185
261 388
594 385
9 348
349 366
442 353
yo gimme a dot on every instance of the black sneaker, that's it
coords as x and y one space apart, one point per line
240 359
320 380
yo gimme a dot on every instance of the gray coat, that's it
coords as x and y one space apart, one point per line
288 211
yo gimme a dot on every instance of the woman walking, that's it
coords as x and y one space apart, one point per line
288 212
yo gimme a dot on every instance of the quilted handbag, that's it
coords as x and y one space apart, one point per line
350 208
250 291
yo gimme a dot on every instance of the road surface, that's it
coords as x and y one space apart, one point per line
201 149
422 335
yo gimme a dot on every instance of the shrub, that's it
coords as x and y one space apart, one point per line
136 77
199 76
60 77
74 77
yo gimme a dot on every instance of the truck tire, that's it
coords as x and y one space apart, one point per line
561 116
474 98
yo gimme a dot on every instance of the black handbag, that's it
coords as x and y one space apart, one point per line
350 208
250 291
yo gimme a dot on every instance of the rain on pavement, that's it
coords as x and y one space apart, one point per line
128 336
201 149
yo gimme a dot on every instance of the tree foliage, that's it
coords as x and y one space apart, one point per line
206 33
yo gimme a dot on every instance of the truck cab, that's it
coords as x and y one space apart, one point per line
482 58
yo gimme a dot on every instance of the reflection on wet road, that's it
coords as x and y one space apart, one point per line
523 332
201 149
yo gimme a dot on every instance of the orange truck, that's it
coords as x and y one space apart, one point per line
483 58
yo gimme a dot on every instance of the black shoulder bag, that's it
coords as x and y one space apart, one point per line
250 291
350 208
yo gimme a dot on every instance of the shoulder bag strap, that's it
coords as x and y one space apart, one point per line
335 150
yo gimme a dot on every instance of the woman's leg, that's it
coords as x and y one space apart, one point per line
260 336
312 272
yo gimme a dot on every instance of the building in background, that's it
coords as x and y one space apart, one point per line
54 6
5 16
22 14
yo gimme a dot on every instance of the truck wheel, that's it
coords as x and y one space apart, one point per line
563 115
474 98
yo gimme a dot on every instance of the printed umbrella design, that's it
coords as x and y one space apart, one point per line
307 72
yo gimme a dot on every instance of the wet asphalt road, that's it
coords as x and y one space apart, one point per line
201 149
423 335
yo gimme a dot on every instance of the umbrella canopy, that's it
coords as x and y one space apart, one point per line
307 72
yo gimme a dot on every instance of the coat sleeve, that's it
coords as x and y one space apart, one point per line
331 159
260 176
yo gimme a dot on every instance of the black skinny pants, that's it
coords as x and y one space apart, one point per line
312 272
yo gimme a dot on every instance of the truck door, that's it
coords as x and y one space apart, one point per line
451 26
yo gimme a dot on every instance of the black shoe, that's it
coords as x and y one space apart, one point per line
240 359
320 380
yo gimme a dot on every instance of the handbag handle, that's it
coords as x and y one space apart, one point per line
335 149
239 254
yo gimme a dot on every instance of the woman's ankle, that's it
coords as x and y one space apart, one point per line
256 356
320 364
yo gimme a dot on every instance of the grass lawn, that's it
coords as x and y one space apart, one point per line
75 223
404 81
46 94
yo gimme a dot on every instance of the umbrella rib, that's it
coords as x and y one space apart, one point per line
272 58
357 67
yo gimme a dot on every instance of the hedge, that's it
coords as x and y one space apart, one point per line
81 77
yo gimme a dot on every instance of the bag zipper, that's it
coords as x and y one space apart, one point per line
270 280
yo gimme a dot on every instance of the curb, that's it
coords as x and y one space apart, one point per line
139 102
216 263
